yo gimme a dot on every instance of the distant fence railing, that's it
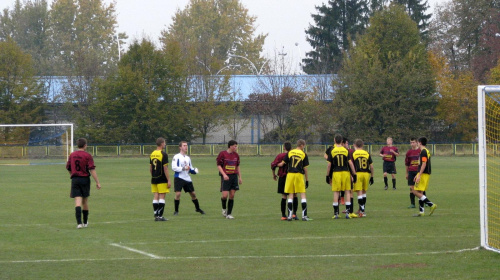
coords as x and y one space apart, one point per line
20 151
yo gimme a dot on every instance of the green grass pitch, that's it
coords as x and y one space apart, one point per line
39 239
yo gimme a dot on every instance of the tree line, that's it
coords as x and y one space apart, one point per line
398 71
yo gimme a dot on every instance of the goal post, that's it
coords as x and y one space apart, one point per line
489 165
35 143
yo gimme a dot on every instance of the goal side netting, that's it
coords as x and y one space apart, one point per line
35 143
489 165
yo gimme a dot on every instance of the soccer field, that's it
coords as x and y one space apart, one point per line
39 239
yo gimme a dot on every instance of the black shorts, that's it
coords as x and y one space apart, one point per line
281 185
180 184
411 177
231 184
389 167
80 187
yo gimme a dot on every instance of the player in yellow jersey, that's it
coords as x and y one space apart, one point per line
422 178
363 164
297 162
160 179
339 161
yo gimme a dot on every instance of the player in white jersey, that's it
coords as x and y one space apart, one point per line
181 165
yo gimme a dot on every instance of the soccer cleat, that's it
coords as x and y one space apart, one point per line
342 201
433 207
394 188
86 225
361 214
386 187
224 213
352 215
229 217
421 214
335 217
79 226
200 211
305 218
176 213
295 217
162 219
347 216
411 206
284 218
344 211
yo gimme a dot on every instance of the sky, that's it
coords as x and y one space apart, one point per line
283 20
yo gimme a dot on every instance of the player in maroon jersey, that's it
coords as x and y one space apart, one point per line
228 163
389 154
281 178
411 163
80 166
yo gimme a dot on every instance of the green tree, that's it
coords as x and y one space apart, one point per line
417 10
213 33
387 85
27 23
335 24
21 99
145 100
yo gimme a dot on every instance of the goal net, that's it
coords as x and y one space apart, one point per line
489 165
35 143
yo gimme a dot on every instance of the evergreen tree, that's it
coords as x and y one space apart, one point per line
416 9
335 24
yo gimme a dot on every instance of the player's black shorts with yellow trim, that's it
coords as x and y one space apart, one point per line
180 184
80 187
231 184
411 177
281 185
389 167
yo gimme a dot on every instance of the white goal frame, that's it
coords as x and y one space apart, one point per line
48 124
483 184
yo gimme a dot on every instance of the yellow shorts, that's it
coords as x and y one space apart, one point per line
160 188
341 181
362 181
295 183
423 184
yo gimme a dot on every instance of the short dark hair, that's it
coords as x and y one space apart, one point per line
345 140
182 142
288 146
422 140
413 139
160 141
231 143
81 142
358 143
338 139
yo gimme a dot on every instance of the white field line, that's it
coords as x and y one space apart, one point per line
136 251
295 238
249 257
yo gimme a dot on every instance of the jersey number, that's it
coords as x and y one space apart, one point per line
340 160
295 161
363 163
77 165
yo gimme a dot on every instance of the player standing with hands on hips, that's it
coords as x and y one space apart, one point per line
228 163
80 166
181 165
389 154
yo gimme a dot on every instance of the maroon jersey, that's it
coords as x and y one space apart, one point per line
411 159
386 152
282 171
80 163
228 162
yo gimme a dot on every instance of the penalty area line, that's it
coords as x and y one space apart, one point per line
136 251
151 256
